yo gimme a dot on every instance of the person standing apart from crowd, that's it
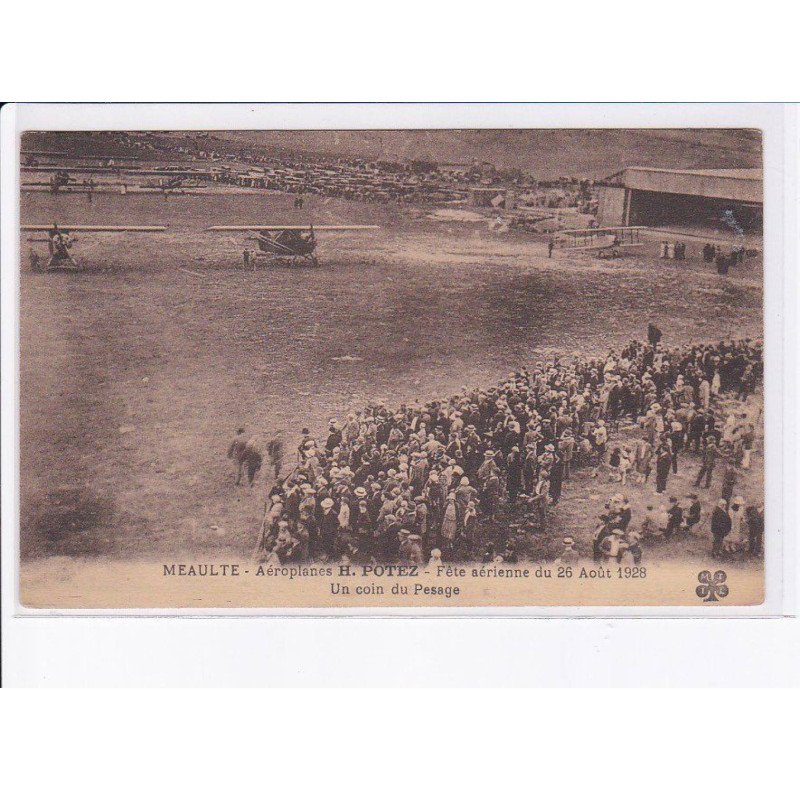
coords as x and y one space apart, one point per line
653 334
663 464
244 452
720 527
275 453
728 481
755 529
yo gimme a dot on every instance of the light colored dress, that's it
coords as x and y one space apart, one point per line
449 523
705 394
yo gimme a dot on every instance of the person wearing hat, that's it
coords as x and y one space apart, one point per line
322 488
556 478
566 449
411 548
246 455
514 474
421 516
328 527
361 522
490 499
344 515
311 464
533 435
464 495
270 525
710 455
275 451
674 518
419 471
754 514
697 426
449 527
663 465
388 504
375 502
736 540
613 545
600 438
434 491
486 468
334 439
283 544
435 559
471 448
386 539
306 441
454 446
729 477
470 524
720 527
693 512
569 555
351 428
273 513
643 455
630 549
291 498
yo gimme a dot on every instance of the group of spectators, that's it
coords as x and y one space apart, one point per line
674 250
736 528
713 254
470 477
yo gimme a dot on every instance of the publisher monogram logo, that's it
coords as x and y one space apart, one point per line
712 587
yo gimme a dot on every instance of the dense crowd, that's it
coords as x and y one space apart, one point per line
445 480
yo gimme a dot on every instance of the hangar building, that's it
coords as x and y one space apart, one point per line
700 198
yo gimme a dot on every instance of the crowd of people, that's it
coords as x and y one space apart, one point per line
474 476
713 254
673 250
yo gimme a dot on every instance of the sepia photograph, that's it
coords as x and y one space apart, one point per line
451 368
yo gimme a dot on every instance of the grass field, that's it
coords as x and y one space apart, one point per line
135 373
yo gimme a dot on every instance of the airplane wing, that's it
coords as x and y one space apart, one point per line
96 228
246 228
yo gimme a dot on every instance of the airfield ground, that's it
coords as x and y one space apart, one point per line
135 373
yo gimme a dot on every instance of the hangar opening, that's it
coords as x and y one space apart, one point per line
713 199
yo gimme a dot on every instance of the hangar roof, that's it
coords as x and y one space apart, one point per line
743 185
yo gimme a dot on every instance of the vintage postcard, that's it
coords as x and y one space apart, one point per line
380 369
